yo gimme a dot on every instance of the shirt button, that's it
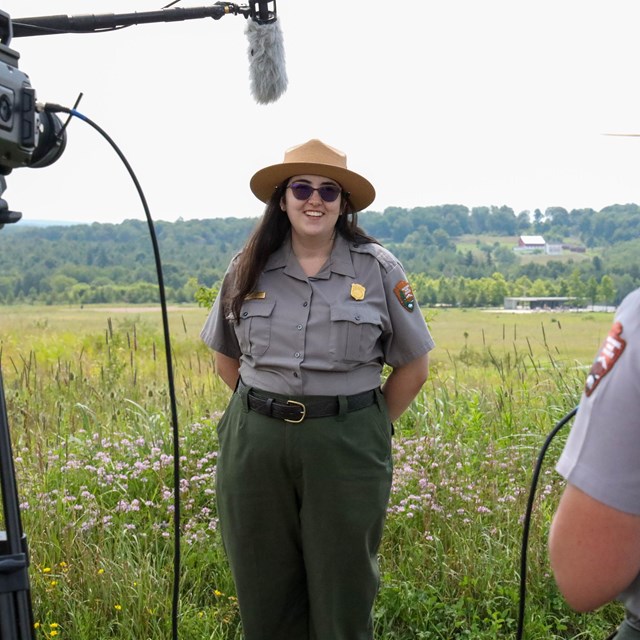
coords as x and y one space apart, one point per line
297 354
245 314
356 318
299 327
295 374
305 304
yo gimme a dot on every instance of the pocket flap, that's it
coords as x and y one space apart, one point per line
357 313
257 308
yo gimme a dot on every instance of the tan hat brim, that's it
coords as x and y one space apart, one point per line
265 181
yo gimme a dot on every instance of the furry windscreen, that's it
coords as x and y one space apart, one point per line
267 72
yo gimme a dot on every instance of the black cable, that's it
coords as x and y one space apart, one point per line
527 518
170 377
38 30
68 120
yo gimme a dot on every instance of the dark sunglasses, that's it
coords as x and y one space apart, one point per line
303 191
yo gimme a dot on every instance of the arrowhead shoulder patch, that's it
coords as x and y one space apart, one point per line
405 295
609 353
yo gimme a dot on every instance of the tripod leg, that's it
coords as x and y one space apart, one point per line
16 615
8 622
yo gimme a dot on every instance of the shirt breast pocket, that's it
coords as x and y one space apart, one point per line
254 327
355 330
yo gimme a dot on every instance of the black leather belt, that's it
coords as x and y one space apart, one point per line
295 411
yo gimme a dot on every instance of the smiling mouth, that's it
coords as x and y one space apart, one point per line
314 214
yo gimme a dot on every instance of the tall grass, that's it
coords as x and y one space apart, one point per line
88 413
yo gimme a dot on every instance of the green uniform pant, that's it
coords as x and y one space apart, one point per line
626 632
301 510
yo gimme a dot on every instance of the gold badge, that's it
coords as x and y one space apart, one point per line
256 295
357 291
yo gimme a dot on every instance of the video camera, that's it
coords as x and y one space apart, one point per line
29 137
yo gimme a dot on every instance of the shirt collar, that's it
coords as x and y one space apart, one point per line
340 259
280 256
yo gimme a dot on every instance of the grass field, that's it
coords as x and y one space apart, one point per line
87 399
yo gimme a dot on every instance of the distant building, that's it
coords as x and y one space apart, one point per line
530 302
553 249
576 248
531 243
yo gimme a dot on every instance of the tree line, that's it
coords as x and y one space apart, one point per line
454 254
491 291
611 225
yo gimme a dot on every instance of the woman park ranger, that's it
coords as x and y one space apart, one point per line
308 314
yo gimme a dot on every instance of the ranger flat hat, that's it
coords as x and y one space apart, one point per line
314 158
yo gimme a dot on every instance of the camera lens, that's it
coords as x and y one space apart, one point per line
6 108
51 142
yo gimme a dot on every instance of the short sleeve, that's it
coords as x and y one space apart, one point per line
408 338
603 448
218 331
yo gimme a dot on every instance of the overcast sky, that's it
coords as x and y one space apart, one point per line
473 102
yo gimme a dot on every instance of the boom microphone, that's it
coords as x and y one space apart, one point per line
267 72
266 49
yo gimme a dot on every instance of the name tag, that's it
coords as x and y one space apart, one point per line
256 295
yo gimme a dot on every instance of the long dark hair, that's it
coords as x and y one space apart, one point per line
269 234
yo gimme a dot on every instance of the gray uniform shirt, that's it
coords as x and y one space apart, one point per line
329 334
602 453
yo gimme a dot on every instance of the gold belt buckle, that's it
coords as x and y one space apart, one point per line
304 411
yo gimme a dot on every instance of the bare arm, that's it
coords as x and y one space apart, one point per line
594 550
403 385
227 369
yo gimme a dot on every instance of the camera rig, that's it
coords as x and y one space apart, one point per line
31 135
28 137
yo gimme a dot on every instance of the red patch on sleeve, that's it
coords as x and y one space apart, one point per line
405 295
610 351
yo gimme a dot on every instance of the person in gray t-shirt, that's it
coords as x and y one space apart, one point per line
594 543
307 316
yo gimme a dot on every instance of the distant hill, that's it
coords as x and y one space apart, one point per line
27 222
82 263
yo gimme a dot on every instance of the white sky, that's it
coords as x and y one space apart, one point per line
473 102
